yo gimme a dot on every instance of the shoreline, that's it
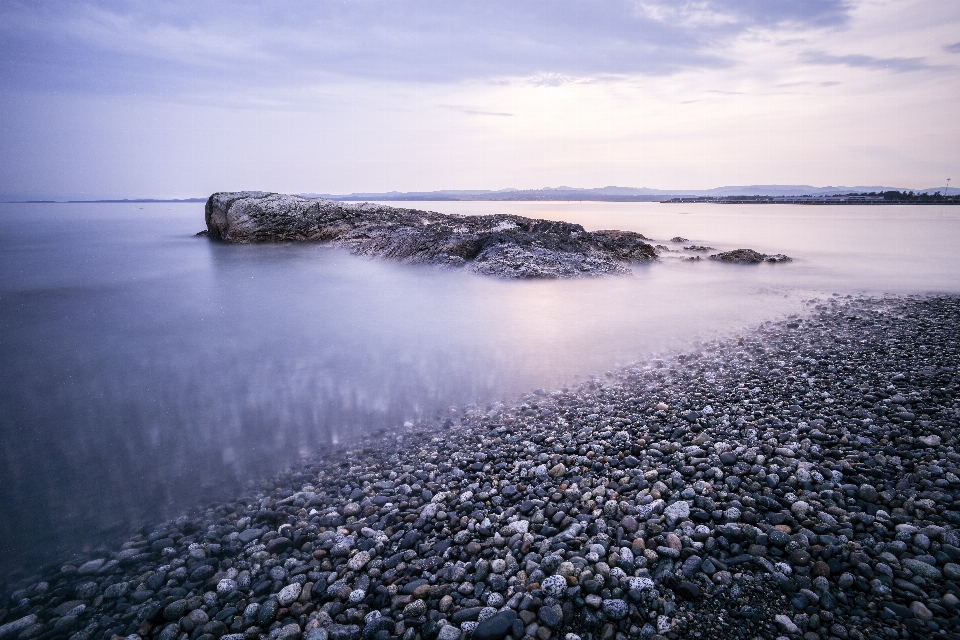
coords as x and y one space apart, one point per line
717 492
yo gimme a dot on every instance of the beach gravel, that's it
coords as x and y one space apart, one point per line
800 480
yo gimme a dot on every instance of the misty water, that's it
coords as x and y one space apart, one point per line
145 370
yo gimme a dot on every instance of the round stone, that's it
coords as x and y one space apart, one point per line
723 578
920 611
554 586
415 609
289 594
226 587
550 617
951 571
820 569
868 493
175 610
615 609
358 561
801 509
629 524
448 632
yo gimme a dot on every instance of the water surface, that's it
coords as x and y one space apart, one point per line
145 369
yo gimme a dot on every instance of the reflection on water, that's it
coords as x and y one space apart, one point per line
145 369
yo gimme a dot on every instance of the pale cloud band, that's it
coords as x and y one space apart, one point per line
145 46
179 99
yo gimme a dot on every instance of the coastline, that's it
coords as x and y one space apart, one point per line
621 506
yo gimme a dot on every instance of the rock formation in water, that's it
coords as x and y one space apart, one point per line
749 256
500 245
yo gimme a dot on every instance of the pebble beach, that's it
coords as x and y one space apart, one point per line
800 480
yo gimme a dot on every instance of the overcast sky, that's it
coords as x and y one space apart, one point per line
177 99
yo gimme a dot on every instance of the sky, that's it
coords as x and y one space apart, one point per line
173 100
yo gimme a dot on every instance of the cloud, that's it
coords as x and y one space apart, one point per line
790 85
952 48
216 46
475 112
897 65
556 80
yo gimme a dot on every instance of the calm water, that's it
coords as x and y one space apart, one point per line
145 369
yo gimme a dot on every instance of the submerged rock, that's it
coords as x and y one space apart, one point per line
499 245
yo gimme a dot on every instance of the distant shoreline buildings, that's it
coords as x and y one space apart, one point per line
885 197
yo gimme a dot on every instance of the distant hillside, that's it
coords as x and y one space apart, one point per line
609 194
562 193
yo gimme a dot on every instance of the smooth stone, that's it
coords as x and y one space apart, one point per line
358 561
922 569
787 624
951 571
921 611
448 632
615 608
496 627
289 594
554 586
676 512
550 617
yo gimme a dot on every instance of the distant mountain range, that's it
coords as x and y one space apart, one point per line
612 194
609 194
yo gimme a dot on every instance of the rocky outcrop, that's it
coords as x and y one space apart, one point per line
499 245
748 256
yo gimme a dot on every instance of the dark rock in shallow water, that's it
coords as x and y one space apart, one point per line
748 256
499 245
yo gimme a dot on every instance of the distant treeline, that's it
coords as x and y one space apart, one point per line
875 197
912 197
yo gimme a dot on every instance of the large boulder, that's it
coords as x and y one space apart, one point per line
499 245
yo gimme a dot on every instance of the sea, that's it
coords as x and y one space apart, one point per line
145 371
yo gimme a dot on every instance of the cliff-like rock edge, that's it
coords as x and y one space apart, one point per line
500 245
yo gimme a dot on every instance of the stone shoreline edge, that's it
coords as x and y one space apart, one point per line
798 481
